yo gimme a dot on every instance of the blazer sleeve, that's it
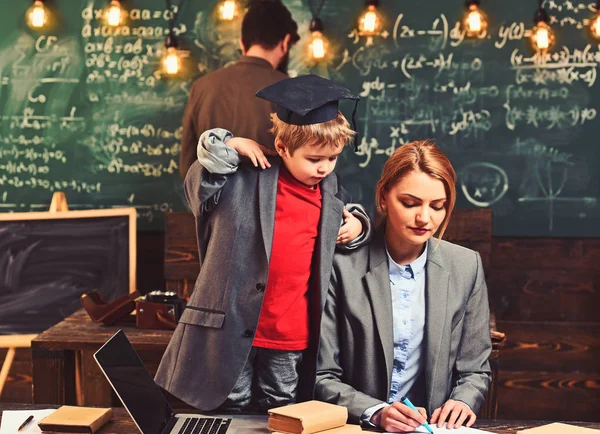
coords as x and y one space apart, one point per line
472 373
329 386
358 211
207 176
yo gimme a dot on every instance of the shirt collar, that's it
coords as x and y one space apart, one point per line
416 267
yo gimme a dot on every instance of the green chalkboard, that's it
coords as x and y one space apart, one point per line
83 110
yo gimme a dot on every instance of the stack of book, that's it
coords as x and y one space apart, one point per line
311 417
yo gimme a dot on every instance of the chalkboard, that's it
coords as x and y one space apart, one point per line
47 260
83 110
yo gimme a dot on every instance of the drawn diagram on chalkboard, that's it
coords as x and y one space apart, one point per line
482 183
548 181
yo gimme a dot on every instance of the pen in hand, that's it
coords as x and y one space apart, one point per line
410 405
24 424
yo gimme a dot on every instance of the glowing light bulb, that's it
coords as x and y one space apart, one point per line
228 10
317 45
37 15
542 37
113 13
370 22
595 26
475 21
171 63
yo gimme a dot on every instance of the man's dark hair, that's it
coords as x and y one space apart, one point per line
266 23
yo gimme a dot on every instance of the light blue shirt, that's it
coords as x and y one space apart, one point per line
407 284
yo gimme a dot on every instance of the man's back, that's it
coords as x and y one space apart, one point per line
226 99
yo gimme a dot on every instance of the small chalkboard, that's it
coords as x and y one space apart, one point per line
48 259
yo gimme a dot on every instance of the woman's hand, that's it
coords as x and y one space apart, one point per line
249 148
399 418
454 413
351 228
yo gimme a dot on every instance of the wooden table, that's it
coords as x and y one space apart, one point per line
255 424
64 370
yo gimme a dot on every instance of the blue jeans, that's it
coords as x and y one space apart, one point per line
269 379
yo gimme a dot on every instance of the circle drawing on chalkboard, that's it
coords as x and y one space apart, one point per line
483 184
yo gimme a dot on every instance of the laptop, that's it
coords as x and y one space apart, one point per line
142 398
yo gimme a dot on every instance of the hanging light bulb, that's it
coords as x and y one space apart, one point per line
475 21
369 23
37 15
171 62
114 13
228 10
318 43
542 36
595 22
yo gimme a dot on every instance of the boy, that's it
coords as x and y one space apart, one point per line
266 240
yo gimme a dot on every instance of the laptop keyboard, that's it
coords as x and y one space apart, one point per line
204 425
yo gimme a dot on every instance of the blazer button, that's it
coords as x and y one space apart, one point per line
261 287
248 333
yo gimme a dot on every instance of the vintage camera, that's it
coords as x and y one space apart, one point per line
159 310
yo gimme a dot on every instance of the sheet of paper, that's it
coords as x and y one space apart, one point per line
12 420
444 430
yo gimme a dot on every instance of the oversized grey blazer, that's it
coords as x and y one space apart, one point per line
215 332
356 351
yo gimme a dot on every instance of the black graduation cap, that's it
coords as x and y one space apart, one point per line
307 100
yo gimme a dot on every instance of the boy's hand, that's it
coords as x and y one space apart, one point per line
249 148
351 229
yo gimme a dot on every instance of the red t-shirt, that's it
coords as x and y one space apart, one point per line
283 322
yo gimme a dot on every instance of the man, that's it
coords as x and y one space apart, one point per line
226 98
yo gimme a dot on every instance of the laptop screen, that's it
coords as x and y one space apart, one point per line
133 384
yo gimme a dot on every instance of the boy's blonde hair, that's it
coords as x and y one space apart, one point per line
334 132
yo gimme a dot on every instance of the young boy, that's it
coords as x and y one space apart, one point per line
266 240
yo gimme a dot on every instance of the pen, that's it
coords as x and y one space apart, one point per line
29 419
410 405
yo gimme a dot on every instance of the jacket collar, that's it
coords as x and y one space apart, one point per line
258 61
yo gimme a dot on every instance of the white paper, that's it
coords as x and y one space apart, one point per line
444 430
12 420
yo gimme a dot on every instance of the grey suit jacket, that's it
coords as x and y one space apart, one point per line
356 351
214 336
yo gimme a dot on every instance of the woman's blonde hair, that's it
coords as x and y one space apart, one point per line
419 156
334 132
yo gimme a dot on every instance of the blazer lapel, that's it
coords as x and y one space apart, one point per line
267 195
436 297
329 227
377 282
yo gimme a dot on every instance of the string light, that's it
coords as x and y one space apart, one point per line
542 36
475 21
369 23
114 13
37 15
594 26
171 62
318 44
228 10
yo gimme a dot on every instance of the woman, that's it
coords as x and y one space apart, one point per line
408 314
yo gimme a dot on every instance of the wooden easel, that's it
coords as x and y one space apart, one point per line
12 342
